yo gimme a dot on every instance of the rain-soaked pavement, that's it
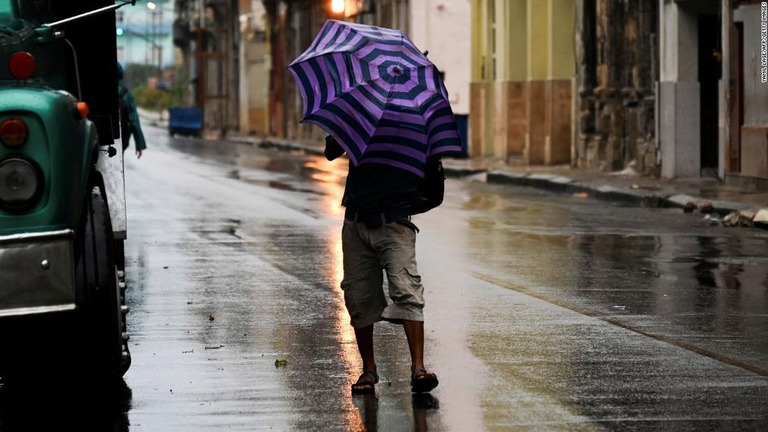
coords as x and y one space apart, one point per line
544 312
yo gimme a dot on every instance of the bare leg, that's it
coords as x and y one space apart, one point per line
369 377
421 380
364 337
414 332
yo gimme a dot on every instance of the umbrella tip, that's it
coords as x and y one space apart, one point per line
426 53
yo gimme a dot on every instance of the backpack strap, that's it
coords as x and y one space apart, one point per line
123 91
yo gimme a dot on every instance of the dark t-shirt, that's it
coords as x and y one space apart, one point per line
377 188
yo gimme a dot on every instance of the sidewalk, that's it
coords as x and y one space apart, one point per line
736 206
704 195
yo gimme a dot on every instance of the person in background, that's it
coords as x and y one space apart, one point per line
129 117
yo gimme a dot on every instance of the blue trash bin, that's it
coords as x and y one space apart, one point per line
185 121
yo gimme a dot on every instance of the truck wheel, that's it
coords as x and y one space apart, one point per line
100 294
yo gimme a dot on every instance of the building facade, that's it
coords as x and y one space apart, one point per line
450 51
521 92
743 101
616 75
207 35
254 69
676 90
712 114
689 76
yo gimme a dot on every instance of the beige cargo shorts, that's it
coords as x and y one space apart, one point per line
369 253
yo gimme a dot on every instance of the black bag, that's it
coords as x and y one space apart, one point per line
125 121
433 187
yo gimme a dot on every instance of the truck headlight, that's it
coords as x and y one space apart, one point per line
19 183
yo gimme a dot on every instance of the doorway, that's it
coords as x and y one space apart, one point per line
709 75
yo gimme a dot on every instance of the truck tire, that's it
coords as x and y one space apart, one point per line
101 296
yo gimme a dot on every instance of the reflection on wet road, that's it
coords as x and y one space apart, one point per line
544 312
659 273
685 304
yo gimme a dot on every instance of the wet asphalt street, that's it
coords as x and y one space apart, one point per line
544 311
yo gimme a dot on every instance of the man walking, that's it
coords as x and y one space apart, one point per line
129 117
377 236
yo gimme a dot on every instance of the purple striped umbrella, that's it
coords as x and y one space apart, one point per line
377 94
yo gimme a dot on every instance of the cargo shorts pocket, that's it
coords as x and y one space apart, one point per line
405 288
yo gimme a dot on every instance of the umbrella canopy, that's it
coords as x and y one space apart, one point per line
374 91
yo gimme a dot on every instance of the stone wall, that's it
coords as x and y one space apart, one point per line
615 107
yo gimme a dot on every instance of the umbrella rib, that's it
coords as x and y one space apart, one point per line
390 90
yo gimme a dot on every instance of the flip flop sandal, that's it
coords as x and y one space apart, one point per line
422 381
365 387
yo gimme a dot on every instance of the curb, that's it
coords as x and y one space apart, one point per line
273 143
550 182
567 185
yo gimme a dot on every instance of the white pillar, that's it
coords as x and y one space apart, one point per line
679 92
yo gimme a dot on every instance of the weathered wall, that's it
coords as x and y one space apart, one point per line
254 69
448 50
615 107
522 81
679 93
753 129
292 27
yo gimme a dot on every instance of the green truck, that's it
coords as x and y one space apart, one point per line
62 199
